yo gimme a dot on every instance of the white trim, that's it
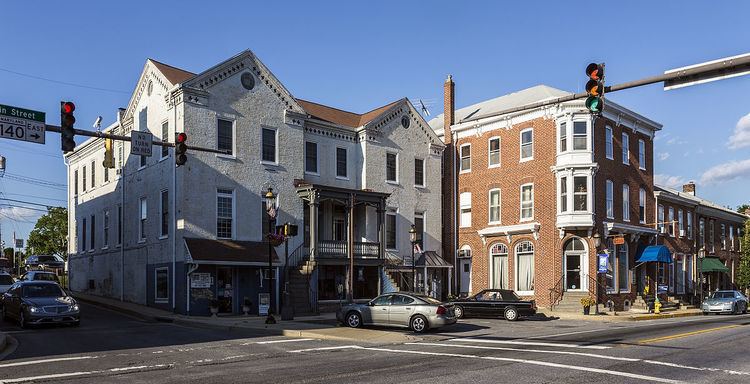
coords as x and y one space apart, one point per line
499 206
641 154
609 192
317 159
520 205
520 145
609 146
276 146
396 181
424 178
460 158
336 163
628 228
506 230
142 220
625 138
160 300
234 211
499 152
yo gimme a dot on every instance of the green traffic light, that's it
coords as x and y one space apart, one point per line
594 104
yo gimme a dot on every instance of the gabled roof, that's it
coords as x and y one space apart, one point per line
511 100
173 74
698 200
341 117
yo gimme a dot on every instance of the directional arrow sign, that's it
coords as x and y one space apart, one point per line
21 124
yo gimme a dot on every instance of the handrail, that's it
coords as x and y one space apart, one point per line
556 293
298 256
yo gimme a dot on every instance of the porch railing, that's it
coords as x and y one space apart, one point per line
556 293
338 249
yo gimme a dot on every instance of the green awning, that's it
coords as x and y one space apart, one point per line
713 264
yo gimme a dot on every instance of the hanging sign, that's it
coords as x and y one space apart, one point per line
603 262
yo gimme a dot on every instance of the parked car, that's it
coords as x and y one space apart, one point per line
6 280
40 276
39 302
407 310
733 302
494 303
48 261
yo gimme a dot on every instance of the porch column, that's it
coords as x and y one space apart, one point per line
350 246
314 204
381 231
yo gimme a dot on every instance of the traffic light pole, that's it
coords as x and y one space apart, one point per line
80 132
672 79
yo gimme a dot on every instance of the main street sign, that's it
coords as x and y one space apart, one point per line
140 143
21 124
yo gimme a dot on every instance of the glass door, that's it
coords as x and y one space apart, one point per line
573 272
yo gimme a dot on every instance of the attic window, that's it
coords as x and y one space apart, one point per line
248 81
150 87
405 121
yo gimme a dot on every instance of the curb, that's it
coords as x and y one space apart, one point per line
118 309
665 316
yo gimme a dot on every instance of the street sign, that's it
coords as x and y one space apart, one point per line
603 262
21 124
619 240
19 243
264 303
140 143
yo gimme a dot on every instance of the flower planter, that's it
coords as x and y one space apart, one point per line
586 310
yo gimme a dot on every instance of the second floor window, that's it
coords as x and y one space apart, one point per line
527 202
711 238
563 194
610 199
689 225
75 182
93 174
224 213
579 136
142 222
723 235
660 219
391 167
642 206
390 230
269 145
494 206
670 225
465 164
527 144
106 229
608 143
341 167
563 137
493 157
419 172
164 213
164 139
641 154
625 202
625 148
225 137
580 194
701 233
83 172
311 157
680 223
465 204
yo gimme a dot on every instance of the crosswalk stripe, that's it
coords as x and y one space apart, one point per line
531 343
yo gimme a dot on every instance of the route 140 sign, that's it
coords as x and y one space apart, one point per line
21 124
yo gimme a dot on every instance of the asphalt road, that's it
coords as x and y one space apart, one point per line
112 348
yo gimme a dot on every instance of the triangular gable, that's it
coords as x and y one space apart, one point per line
173 74
163 75
390 111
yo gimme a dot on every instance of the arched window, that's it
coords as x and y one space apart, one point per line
575 245
525 267
499 259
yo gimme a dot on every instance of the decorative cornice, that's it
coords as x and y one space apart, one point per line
509 230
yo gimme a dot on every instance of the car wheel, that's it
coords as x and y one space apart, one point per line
458 311
511 314
418 324
353 320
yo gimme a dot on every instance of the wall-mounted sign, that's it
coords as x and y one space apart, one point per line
200 280
620 240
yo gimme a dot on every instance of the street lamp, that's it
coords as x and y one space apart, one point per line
413 239
701 256
271 210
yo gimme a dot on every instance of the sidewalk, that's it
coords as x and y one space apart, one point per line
620 316
318 327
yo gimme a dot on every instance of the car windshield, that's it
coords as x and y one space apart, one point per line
42 290
45 276
723 295
6 280
46 259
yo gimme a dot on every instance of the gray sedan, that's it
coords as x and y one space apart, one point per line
732 302
406 310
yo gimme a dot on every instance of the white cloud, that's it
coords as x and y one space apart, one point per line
669 181
727 172
663 156
19 213
741 136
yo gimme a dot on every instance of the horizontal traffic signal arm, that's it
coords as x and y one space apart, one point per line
80 132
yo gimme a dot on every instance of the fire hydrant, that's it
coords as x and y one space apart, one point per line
657 305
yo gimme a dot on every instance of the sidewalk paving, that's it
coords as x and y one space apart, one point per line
323 326
621 316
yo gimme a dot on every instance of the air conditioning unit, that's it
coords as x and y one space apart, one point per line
682 233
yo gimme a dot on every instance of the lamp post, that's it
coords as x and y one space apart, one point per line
701 256
597 243
287 310
413 240
271 210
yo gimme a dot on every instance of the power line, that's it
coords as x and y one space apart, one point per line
63 82
35 197
21 206
29 202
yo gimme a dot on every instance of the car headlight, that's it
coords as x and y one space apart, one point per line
35 309
74 307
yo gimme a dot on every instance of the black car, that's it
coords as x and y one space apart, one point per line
494 303
48 261
39 302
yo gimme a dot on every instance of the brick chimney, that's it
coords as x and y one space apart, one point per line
689 188
449 108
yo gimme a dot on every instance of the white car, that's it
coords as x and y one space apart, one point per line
6 281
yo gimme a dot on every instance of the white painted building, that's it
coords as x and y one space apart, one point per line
139 230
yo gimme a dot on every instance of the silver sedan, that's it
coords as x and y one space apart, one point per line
406 310
732 302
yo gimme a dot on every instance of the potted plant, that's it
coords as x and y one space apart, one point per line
275 239
213 305
246 304
587 302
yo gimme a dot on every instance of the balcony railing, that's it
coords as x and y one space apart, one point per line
338 249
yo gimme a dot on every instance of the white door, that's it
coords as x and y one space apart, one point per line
465 275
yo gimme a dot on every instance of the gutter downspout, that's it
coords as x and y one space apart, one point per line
454 208
174 222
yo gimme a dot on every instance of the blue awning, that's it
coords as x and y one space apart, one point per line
654 253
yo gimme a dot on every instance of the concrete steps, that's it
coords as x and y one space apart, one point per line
571 302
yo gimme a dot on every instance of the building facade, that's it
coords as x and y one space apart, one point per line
179 237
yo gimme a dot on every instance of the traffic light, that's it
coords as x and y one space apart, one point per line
66 125
595 88
109 155
180 148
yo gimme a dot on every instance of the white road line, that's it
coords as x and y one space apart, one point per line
533 362
628 359
326 348
647 323
531 343
83 373
278 341
47 361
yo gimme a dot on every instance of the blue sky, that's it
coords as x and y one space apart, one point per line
359 55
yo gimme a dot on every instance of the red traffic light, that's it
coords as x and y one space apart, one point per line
181 137
594 71
68 107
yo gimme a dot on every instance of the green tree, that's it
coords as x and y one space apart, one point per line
743 274
742 208
49 236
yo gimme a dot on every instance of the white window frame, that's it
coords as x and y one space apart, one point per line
233 155
142 218
642 154
586 193
573 135
562 128
276 145
670 217
610 199
464 204
517 264
499 152
498 207
521 144
642 203
680 222
105 229
563 194
336 163
625 202
162 156
625 148
689 224
461 158
396 181
234 211
424 175
660 218
317 158
521 205
608 143
157 299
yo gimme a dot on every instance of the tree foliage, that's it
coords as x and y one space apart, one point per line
49 236
742 208
743 274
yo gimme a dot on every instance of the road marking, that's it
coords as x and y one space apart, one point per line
532 343
84 373
686 334
532 362
277 341
326 348
628 359
47 361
